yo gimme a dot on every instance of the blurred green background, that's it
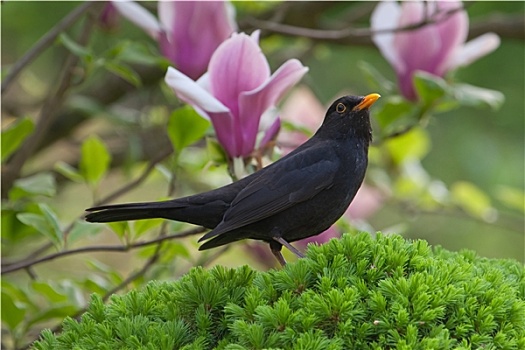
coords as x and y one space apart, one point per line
480 146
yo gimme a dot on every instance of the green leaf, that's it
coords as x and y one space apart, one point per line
414 144
95 160
47 224
54 312
512 197
374 78
136 53
12 313
39 184
124 72
18 294
38 222
215 151
140 227
83 229
75 48
396 113
474 96
429 87
48 292
14 135
95 284
68 171
173 250
185 127
53 222
473 200
120 228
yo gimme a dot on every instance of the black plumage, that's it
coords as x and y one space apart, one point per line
298 196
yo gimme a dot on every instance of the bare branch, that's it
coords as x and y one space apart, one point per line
45 42
124 189
104 248
508 26
46 118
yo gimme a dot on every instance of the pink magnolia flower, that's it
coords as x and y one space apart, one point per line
236 91
436 48
188 32
109 17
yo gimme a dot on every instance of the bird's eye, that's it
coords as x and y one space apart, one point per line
340 108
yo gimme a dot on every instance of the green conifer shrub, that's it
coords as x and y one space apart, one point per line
358 292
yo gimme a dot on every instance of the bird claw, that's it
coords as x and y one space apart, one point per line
289 246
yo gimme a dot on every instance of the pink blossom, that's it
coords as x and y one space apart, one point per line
188 32
236 91
436 48
109 17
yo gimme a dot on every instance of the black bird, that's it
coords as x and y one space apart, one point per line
298 196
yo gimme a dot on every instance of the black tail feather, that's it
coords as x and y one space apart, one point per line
132 211
207 214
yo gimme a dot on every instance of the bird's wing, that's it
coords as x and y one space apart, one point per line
297 179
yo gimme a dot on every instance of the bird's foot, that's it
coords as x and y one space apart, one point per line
279 256
289 246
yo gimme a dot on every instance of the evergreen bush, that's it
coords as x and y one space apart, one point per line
358 292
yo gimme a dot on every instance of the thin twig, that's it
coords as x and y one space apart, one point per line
339 34
47 115
105 248
124 189
44 42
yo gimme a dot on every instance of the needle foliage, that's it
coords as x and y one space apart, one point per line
358 292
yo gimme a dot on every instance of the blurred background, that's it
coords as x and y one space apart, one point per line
454 177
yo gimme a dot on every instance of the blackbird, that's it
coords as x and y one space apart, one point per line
298 196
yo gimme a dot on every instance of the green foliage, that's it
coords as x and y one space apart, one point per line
95 160
46 222
39 184
353 293
185 127
13 136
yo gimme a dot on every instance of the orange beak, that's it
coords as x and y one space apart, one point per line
368 101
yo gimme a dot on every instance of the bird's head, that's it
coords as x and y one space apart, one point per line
349 115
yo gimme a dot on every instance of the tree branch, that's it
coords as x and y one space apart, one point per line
44 42
47 116
104 248
507 26
124 189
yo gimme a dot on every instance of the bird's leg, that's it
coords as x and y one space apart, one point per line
289 246
275 247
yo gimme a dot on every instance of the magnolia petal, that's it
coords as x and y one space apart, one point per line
255 36
271 133
204 82
198 28
253 104
474 49
192 93
166 12
139 16
453 31
206 105
237 65
385 18
225 131
426 39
